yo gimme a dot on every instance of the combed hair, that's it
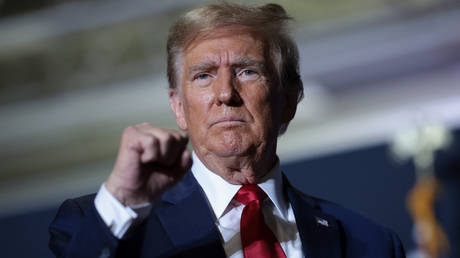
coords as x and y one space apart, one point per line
269 21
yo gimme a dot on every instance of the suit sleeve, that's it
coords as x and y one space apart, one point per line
78 231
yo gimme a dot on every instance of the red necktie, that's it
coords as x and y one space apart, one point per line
257 239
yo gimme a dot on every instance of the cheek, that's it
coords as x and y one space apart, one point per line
197 106
207 98
265 106
259 101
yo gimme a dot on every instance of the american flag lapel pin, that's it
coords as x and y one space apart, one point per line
322 222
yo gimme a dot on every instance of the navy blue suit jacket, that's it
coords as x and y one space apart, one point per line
181 225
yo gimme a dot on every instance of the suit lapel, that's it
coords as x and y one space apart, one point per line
185 217
319 232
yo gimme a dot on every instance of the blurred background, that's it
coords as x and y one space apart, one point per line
74 74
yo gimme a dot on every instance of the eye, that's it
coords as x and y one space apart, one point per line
248 75
249 72
202 79
202 76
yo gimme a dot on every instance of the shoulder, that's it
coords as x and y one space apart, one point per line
361 237
360 231
352 222
348 219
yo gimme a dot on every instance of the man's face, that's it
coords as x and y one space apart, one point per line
227 101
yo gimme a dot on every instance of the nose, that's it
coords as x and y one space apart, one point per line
225 88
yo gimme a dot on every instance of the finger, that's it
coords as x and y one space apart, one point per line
167 144
174 151
130 146
171 147
150 148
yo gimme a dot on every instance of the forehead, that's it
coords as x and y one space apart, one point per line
224 47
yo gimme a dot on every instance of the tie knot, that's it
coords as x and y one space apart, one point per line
249 193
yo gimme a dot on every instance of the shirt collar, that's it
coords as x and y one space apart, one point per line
220 192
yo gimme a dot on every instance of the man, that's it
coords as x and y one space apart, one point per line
234 87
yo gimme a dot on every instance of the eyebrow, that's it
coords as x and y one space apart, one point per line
240 61
203 66
244 61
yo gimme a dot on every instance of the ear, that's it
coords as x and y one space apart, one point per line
290 105
175 100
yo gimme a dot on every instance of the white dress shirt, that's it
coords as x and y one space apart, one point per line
277 211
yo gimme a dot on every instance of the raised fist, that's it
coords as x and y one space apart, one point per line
149 161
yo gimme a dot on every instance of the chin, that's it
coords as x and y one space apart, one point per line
228 151
230 143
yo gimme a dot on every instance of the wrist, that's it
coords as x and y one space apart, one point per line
126 196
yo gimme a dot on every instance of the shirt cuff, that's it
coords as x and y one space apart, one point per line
116 216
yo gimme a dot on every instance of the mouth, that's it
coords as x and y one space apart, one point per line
228 121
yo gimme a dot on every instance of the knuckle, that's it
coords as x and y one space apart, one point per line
180 136
128 131
151 140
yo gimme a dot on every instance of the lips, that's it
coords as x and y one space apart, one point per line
228 120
